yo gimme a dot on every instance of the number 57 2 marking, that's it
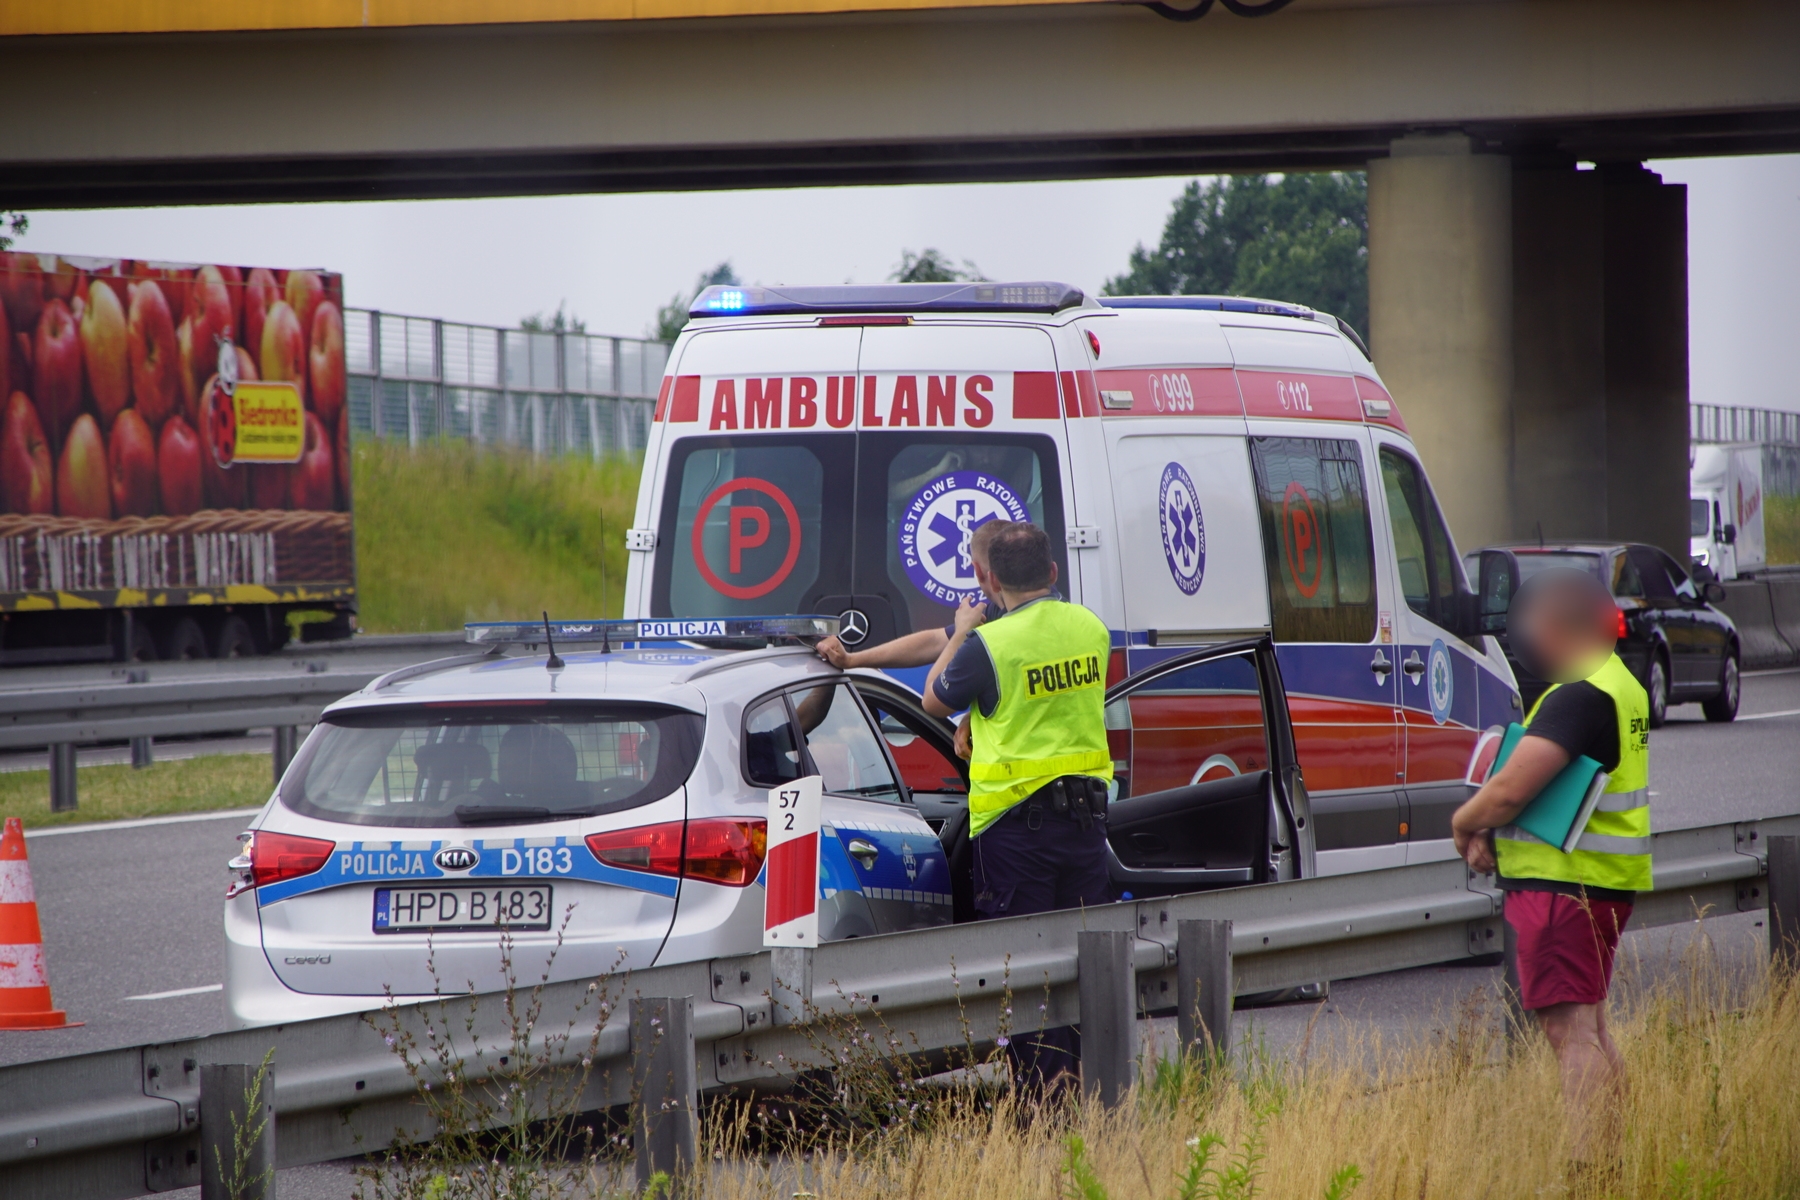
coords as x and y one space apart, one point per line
788 800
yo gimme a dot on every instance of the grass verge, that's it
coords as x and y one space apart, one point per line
1458 1114
111 793
449 533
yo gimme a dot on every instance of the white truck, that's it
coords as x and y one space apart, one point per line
1725 505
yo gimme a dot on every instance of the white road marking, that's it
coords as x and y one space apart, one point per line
198 991
1786 712
141 822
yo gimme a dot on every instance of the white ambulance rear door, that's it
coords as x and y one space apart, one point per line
1188 546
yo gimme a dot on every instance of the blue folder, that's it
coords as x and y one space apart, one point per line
1560 812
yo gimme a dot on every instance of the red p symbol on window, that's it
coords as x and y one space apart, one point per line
741 540
1302 523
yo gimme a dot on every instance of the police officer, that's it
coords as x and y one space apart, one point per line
1034 683
1566 911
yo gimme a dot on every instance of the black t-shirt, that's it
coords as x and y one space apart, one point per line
1581 719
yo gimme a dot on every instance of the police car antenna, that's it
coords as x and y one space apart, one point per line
553 663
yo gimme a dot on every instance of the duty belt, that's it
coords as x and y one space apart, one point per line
1080 798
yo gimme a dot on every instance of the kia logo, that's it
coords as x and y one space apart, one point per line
455 858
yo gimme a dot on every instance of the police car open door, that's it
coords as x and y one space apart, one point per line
1208 792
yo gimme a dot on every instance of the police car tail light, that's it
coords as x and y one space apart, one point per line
726 850
1624 629
652 848
278 856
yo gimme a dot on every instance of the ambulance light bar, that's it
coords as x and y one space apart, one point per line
1038 297
1237 304
663 629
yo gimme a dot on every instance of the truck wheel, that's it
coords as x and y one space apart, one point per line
1724 706
1658 687
184 640
235 639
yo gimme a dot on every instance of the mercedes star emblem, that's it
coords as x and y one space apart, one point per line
853 626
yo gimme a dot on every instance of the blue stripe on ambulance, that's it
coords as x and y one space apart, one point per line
500 858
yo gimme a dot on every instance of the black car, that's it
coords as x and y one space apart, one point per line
1670 634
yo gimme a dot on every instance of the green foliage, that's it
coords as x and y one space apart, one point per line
934 266
671 317
120 791
1201 1180
13 225
449 533
556 322
1302 237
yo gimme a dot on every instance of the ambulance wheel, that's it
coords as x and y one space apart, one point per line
1657 685
1724 706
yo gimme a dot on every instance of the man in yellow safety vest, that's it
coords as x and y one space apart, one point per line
1567 910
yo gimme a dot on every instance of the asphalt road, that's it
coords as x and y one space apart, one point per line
131 913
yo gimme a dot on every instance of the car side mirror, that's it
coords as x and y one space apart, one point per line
1702 573
1714 591
1498 581
1731 535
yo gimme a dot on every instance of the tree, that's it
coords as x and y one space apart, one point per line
672 316
1302 237
557 322
13 225
934 266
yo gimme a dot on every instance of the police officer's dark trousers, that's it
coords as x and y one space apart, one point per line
1034 859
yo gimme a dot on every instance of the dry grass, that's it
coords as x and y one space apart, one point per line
110 793
1713 1112
450 533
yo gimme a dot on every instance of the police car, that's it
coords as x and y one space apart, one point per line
613 798
1209 468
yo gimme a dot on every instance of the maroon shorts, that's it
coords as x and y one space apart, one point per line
1566 946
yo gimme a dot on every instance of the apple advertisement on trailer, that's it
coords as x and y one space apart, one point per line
171 434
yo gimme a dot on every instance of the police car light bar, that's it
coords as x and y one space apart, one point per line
1039 297
669 629
1239 304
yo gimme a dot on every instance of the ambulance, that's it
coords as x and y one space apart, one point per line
1210 469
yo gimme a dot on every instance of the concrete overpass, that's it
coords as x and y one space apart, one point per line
1531 317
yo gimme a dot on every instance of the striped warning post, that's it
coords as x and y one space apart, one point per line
24 987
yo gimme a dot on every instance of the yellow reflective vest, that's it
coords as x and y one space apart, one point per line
1050 661
1614 850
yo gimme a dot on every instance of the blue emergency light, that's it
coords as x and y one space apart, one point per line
1036 297
1237 304
653 629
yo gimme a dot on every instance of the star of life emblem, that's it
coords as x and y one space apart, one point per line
940 523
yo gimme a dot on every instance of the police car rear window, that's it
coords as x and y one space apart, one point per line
458 766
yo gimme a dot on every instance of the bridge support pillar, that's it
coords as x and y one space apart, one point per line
1440 318
1532 320
1600 431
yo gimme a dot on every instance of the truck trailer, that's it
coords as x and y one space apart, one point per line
174 460
1725 501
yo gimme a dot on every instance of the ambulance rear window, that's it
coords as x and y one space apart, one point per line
745 526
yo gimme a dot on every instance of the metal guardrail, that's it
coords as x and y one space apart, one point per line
418 378
129 1122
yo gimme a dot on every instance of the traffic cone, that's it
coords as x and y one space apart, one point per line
24 987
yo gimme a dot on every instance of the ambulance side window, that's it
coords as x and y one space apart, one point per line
1430 576
1316 539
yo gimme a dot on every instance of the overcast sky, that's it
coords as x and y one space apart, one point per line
614 259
